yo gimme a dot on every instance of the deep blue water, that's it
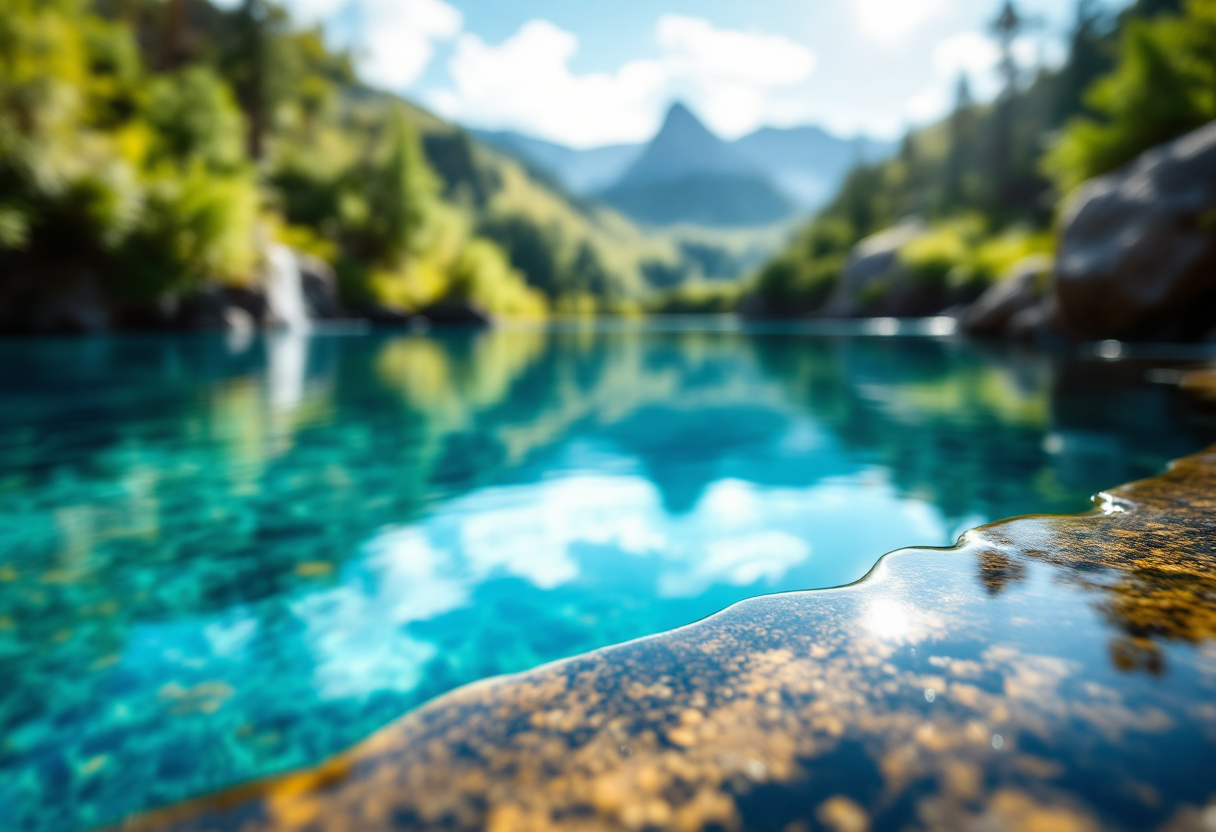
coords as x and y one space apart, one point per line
220 560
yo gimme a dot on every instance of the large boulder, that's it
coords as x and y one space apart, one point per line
1137 256
873 274
1011 303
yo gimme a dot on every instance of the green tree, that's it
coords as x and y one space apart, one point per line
1007 26
194 119
962 143
1164 86
399 192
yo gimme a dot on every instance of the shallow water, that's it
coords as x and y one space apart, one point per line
220 560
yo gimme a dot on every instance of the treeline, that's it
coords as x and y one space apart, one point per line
989 179
159 145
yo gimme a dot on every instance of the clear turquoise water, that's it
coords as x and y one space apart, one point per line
221 560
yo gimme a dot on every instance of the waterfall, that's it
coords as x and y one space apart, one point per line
285 290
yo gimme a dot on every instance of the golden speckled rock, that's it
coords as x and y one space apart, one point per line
1048 673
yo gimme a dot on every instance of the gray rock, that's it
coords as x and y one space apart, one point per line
873 269
319 283
220 307
458 312
386 316
1032 323
1015 293
1137 254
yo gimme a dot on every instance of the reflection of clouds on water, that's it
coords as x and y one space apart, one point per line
738 561
551 534
230 637
354 629
528 531
415 580
357 650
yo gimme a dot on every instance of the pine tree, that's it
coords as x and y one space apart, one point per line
1007 26
962 139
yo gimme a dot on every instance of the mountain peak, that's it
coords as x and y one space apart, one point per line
684 147
679 115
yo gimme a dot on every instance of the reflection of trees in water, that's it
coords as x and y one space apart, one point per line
968 428
1151 606
1150 565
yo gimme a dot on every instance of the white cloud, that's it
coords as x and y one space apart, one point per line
697 49
393 40
891 21
309 12
398 38
927 105
966 52
526 83
971 54
735 80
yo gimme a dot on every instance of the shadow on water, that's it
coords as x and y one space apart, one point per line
221 559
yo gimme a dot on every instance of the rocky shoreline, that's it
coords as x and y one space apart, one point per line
1136 260
68 299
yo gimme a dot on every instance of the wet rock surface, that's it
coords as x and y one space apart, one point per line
319 283
1046 673
1010 306
1137 254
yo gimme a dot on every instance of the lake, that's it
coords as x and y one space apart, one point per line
226 557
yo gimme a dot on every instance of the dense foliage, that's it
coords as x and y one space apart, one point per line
161 143
988 179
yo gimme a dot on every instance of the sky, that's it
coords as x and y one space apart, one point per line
587 74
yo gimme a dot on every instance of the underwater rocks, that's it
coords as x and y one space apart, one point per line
1045 673
1137 255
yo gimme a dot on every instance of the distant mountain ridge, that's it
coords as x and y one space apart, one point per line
684 147
687 174
582 172
809 163
799 166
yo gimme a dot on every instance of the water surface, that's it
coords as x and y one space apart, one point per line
223 559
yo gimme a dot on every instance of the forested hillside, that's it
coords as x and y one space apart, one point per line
149 147
987 182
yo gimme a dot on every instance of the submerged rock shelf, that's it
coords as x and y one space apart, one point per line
1046 673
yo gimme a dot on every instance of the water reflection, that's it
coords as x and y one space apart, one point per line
226 559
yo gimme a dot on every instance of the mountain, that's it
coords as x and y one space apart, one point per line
808 163
688 175
805 164
579 171
683 147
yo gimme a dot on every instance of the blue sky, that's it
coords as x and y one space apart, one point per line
591 73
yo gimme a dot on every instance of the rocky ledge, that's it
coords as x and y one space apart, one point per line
1046 673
